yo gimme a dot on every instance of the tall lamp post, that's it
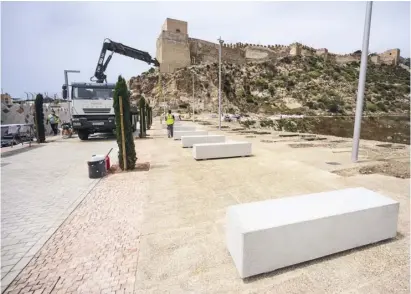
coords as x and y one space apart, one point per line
361 83
193 100
67 87
219 83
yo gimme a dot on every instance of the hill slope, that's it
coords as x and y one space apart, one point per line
298 85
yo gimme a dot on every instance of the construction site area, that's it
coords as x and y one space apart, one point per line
223 168
160 229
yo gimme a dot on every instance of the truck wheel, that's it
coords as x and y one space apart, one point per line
83 135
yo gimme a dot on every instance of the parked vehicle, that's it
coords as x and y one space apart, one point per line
16 134
92 103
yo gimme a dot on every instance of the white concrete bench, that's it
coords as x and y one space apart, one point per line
178 134
268 235
221 150
189 141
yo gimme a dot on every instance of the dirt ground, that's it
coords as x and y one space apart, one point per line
392 129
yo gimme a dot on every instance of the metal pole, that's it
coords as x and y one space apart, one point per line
68 90
219 83
68 94
193 99
361 83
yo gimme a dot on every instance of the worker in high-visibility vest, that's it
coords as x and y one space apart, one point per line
170 124
54 120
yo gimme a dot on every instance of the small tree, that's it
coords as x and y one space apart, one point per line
148 116
39 119
131 157
143 127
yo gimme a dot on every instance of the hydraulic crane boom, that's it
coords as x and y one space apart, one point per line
115 47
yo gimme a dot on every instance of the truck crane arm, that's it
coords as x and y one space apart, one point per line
115 47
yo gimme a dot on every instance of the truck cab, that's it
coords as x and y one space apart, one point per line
92 109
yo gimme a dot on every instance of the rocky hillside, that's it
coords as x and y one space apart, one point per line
291 85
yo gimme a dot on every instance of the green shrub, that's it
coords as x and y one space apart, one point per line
271 89
287 125
266 123
247 123
314 74
240 93
39 119
312 105
369 106
183 105
131 157
382 106
261 84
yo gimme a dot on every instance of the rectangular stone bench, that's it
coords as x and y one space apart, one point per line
189 141
268 235
221 150
178 134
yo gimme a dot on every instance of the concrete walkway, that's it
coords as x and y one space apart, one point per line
162 231
182 244
40 188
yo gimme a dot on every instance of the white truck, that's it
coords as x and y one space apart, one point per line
92 103
92 109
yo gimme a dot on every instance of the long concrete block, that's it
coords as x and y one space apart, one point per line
268 235
189 141
179 134
221 150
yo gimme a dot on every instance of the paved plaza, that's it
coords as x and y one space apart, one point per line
162 231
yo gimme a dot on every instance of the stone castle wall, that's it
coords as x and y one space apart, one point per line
207 52
175 49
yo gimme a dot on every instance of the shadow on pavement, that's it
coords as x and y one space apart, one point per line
20 150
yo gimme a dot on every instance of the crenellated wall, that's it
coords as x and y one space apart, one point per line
207 52
346 58
175 49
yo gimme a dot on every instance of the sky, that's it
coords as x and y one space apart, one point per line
39 40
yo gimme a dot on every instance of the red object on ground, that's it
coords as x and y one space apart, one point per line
107 162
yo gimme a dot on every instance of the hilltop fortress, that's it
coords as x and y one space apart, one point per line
175 49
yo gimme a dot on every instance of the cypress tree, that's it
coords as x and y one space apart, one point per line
131 157
148 116
150 111
39 119
143 128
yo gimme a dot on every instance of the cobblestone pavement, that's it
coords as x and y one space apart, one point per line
162 231
40 188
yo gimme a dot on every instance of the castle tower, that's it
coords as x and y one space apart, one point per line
172 46
390 57
295 49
